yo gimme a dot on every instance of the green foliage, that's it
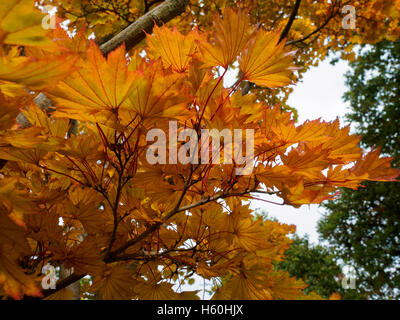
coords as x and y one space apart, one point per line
374 96
363 226
316 266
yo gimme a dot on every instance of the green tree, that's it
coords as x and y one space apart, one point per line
316 265
363 226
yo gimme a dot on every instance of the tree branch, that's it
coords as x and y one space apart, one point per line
331 16
114 255
292 17
136 31
61 284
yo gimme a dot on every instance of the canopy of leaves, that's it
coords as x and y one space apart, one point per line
363 226
316 30
88 199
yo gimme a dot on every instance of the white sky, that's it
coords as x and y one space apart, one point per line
319 95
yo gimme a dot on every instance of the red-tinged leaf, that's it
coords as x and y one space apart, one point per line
156 95
229 38
374 168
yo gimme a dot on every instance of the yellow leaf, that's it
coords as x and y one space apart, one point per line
154 291
156 95
174 48
116 283
97 90
264 61
19 72
12 277
21 24
229 38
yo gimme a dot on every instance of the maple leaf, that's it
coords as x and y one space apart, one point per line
248 110
16 73
156 95
97 90
115 283
215 270
229 38
246 285
255 281
12 277
156 291
343 147
300 194
206 272
11 233
22 155
175 49
83 257
308 131
247 234
284 287
27 31
24 139
92 219
15 201
373 168
306 162
275 176
264 61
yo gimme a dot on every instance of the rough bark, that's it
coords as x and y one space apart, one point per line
75 287
136 31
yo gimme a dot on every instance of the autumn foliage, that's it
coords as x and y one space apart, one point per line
315 32
77 191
